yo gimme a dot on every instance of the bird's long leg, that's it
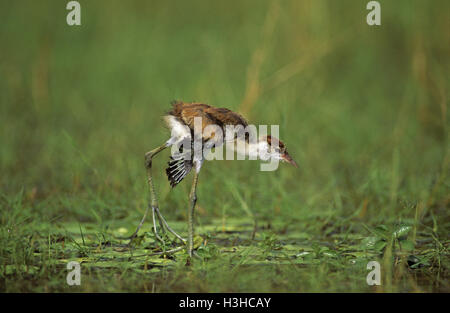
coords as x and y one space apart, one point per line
155 230
192 202
153 201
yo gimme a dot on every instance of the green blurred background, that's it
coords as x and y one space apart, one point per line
363 110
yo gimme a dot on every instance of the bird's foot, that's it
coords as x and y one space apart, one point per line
192 251
165 226
162 236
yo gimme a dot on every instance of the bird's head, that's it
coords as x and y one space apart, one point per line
273 148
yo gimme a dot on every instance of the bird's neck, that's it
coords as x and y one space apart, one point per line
254 150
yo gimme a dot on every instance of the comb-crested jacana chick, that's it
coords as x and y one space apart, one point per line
180 120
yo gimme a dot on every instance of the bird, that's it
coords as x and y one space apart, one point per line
180 120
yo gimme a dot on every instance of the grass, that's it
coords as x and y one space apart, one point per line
363 110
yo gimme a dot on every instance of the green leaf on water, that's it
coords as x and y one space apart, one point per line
407 245
198 240
369 242
382 231
402 231
330 254
380 245
379 231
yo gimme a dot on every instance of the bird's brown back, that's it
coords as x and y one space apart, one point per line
186 112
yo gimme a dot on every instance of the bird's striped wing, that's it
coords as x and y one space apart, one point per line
179 166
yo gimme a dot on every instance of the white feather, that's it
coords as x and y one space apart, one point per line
178 130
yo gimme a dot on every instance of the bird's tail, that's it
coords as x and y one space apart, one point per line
178 168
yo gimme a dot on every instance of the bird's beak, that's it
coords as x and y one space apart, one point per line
286 157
